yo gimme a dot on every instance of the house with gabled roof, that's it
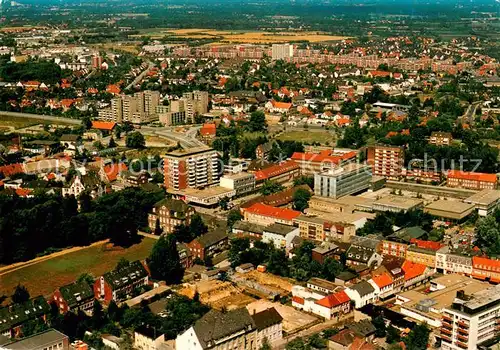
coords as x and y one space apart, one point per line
269 324
219 330
170 213
209 245
89 182
14 316
118 284
74 297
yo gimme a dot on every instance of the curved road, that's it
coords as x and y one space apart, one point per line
187 140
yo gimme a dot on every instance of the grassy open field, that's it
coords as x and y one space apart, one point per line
308 136
132 49
17 122
249 37
44 277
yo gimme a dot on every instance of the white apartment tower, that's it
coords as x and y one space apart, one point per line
471 320
281 51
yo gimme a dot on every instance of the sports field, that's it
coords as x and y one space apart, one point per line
308 136
44 277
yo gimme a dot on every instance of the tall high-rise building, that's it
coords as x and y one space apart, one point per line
281 51
195 168
185 109
471 319
345 180
386 161
137 109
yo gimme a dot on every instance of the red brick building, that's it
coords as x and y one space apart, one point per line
386 161
74 297
209 245
118 284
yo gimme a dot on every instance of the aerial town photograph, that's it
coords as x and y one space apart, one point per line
249 175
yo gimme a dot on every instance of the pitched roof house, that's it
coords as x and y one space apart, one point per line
209 245
74 297
13 316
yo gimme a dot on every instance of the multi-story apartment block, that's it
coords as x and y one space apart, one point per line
74 297
185 109
471 319
348 179
242 183
471 180
311 163
137 109
196 168
282 51
386 161
318 229
170 213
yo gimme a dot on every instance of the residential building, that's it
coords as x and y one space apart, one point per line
148 338
471 180
269 324
383 285
208 132
247 229
311 163
72 144
137 109
333 305
281 173
471 319
209 245
206 197
278 107
233 329
89 182
423 252
455 260
118 284
428 304
195 168
325 304
280 235
263 214
184 110
440 138
364 251
321 285
242 183
484 268
327 250
262 151
74 297
362 293
415 274
345 180
13 316
170 213
49 339
386 161
397 243
281 51
320 229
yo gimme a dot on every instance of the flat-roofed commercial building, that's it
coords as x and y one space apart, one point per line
485 201
348 179
396 204
242 183
207 197
450 210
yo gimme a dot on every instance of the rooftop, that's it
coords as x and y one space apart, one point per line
267 210
450 206
484 197
181 153
280 229
322 283
203 193
37 341
464 175
399 202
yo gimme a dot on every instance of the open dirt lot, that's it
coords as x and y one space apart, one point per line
293 320
280 284
218 294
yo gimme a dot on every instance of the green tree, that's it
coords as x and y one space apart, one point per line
257 122
393 335
232 217
86 277
135 140
98 317
488 235
265 345
418 338
301 199
304 180
20 295
224 203
182 233
197 227
380 327
270 187
164 261
122 263
112 143
297 344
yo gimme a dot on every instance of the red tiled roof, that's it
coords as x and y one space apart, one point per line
11 169
208 129
379 73
426 244
281 105
457 174
484 263
113 170
298 300
103 125
113 89
267 210
412 269
276 170
333 300
51 176
23 192
382 280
